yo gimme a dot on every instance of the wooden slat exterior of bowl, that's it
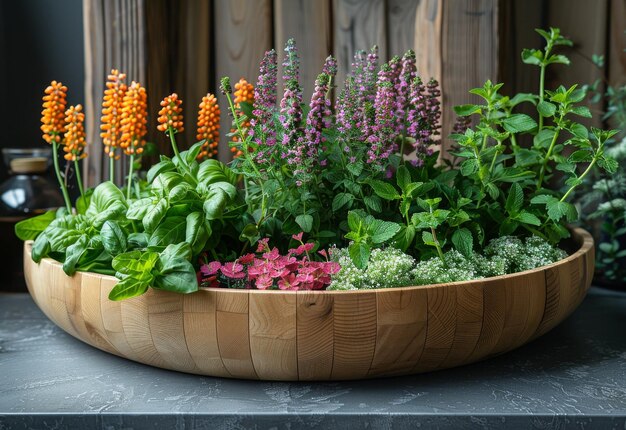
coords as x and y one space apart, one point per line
315 335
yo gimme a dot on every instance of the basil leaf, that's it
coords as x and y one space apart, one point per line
30 228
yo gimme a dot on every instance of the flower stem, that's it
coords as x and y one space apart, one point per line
55 160
79 179
112 166
130 176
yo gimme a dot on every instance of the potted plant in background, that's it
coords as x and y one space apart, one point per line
339 197
603 196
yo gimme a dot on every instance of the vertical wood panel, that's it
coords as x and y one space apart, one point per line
494 306
469 321
134 314
112 318
355 330
358 25
233 333
192 74
401 15
401 330
201 332
91 313
273 334
243 32
427 44
115 37
617 42
441 327
309 22
469 54
315 337
585 23
165 314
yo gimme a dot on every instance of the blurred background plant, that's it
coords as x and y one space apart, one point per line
602 197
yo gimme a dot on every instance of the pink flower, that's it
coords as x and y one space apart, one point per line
298 236
323 253
211 268
246 259
233 270
288 282
263 282
272 255
263 245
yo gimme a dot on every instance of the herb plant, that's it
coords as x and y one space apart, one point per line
360 174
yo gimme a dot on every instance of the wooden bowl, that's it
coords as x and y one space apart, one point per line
315 335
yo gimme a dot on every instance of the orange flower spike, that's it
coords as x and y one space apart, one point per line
74 134
244 92
53 114
208 126
171 114
112 111
133 121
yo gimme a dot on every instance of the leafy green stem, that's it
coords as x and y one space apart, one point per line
544 165
581 177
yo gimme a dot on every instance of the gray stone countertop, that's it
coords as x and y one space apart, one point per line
573 377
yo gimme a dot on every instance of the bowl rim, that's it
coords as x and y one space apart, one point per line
580 236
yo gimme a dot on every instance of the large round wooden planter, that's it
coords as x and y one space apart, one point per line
321 335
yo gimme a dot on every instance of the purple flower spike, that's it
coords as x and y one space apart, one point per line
261 125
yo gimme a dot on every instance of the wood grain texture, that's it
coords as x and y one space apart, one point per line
469 54
441 327
494 308
401 17
233 333
586 24
354 334
357 25
201 332
243 32
165 319
91 312
273 334
316 335
401 330
134 314
112 318
309 23
616 48
469 321
427 44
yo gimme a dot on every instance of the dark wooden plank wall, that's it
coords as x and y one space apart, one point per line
191 44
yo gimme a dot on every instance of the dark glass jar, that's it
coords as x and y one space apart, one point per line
28 191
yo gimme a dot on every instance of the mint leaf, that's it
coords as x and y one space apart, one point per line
518 123
527 218
546 109
305 222
374 203
342 199
384 190
359 254
467 110
382 231
463 241
403 178
515 199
